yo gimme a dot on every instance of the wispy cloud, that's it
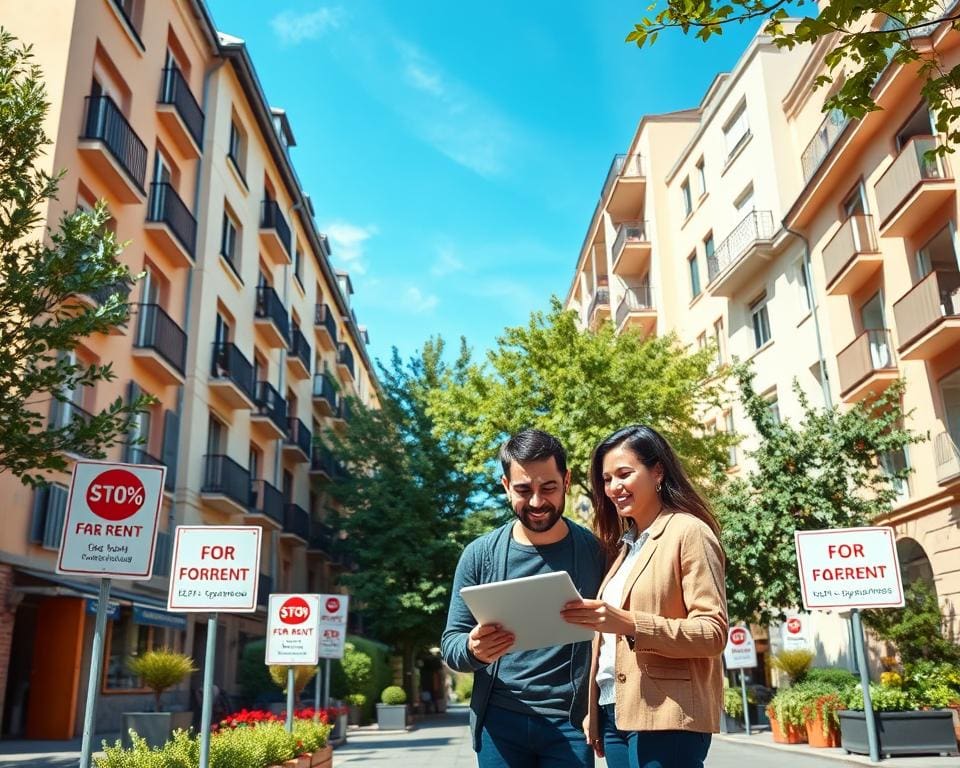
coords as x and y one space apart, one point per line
294 28
348 242
446 262
418 302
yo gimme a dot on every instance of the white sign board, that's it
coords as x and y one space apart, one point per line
795 633
215 568
112 512
740 653
849 568
292 629
333 625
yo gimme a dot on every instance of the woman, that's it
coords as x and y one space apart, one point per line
656 680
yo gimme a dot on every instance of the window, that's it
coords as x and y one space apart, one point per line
49 511
694 275
229 238
718 340
298 266
736 130
773 406
730 430
237 147
938 254
255 462
708 250
701 177
856 202
702 341
761 322
744 201
687 200
806 297
892 463
216 433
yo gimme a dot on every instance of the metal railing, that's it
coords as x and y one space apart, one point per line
271 308
906 173
296 520
622 166
299 435
871 351
345 357
321 537
158 331
637 298
755 227
224 476
300 347
601 298
822 142
229 363
629 231
322 460
947 456
324 317
344 411
856 236
105 122
323 387
271 217
134 454
167 207
926 304
266 499
63 414
175 90
270 403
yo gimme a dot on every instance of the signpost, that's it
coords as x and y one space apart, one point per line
852 568
110 531
795 633
215 568
332 634
741 653
292 637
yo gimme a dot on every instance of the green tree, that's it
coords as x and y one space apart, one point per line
863 38
581 385
917 629
43 278
823 472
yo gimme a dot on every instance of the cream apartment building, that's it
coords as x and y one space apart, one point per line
241 329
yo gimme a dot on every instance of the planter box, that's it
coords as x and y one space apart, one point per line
732 724
818 736
155 727
354 715
392 717
322 758
790 734
758 714
929 732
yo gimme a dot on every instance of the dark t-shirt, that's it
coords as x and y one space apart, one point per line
538 680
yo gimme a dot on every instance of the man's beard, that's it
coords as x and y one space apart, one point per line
543 525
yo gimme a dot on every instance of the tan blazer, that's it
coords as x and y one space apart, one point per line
669 675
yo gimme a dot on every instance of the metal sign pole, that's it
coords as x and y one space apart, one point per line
860 648
326 684
316 695
207 709
96 666
746 710
290 702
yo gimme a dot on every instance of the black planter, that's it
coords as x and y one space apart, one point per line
758 714
929 732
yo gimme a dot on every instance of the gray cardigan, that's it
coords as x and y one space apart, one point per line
485 560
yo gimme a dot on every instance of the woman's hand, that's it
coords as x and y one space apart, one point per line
595 744
598 616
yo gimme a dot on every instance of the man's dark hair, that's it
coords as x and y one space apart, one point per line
532 445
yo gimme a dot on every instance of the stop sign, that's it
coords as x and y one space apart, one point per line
738 636
115 495
295 610
794 626
332 605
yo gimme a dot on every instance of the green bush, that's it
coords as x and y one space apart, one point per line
393 694
884 699
381 674
733 702
794 664
839 678
917 628
787 706
301 676
311 736
252 675
356 700
463 686
161 669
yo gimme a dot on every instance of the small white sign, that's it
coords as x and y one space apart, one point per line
292 629
333 625
849 568
215 568
795 634
740 653
112 512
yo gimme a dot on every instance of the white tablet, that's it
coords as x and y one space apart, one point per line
530 608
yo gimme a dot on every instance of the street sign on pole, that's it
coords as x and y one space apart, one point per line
110 526
215 568
795 633
741 652
292 623
333 625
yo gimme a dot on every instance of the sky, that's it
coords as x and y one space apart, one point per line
454 152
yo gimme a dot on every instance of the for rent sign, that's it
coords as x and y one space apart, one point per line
740 653
110 528
849 568
292 623
215 568
333 625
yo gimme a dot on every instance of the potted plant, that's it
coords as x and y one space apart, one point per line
794 664
785 711
732 709
159 670
355 705
302 674
822 721
758 696
392 711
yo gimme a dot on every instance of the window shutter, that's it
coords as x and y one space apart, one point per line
56 508
171 440
39 518
130 450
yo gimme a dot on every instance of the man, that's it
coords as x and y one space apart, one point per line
526 706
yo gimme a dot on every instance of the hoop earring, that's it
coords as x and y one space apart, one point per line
659 485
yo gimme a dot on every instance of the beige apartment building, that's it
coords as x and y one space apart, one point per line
240 328
755 223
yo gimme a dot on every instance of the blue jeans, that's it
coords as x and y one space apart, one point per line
516 740
651 749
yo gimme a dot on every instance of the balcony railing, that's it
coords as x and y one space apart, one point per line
166 207
135 454
299 435
229 363
345 409
156 330
947 456
322 460
161 560
324 317
870 352
601 298
175 90
300 347
270 403
224 476
323 387
935 297
856 236
105 122
266 499
64 414
345 357
264 588
906 173
822 142
623 166
271 308
755 227
271 217
321 537
296 520
636 299
629 231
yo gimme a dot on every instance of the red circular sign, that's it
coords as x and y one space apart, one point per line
738 636
295 610
332 605
794 626
115 494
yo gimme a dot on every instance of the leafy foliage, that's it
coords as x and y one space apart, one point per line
393 694
161 669
54 292
794 664
917 629
301 676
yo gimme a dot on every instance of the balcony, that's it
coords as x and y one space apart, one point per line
265 504
179 113
321 539
325 325
296 523
821 144
298 442
343 415
170 225
928 316
947 457
912 188
161 560
271 319
226 485
599 309
866 365
300 355
636 310
852 257
160 345
99 297
324 395
625 184
264 588
134 454
64 414
114 150
231 376
270 411
742 255
323 463
345 362
274 232
631 249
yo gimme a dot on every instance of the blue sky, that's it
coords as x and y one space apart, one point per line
454 152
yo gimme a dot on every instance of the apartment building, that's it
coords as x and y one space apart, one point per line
241 330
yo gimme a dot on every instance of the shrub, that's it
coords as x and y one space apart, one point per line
787 707
839 678
393 694
733 702
357 668
463 686
891 679
884 699
916 629
794 664
301 676
825 708
311 736
252 676
356 699
161 669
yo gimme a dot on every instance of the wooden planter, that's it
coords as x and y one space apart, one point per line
820 736
929 732
323 757
791 735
